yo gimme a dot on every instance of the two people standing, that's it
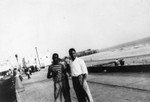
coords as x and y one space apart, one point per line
61 86
78 71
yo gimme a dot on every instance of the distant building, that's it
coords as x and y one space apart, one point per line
86 52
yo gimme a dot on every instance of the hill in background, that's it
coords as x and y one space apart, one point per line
128 44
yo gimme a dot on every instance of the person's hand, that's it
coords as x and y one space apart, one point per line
84 76
69 77
81 79
49 76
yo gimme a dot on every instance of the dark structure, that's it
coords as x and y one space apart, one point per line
7 90
86 52
129 68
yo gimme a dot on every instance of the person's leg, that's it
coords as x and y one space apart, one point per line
30 72
58 92
66 90
79 89
28 76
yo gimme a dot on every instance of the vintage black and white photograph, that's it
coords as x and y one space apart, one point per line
74 50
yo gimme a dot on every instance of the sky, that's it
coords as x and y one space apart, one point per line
57 25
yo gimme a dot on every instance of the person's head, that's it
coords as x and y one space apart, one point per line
55 58
66 59
72 53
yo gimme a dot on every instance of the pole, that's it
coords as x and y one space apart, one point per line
17 60
38 56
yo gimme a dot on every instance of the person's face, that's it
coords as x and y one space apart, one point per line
73 55
67 60
55 58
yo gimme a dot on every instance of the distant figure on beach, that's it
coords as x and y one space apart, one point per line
122 62
117 63
18 83
30 70
55 71
10 73
27 72
79 75
20 74
16 72
35 68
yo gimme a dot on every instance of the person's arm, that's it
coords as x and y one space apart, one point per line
63 69
84 69
84 76
68 69
49 74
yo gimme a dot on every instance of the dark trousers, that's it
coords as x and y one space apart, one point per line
66 89
79 89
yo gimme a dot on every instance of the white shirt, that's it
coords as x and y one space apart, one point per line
78 67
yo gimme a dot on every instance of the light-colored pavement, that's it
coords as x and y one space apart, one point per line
38 88
104 88
138 82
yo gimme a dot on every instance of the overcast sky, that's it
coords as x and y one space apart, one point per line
57 25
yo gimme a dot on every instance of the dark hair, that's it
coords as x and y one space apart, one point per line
65 57
55 54
71 49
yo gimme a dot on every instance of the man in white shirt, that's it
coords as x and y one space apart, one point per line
79 75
